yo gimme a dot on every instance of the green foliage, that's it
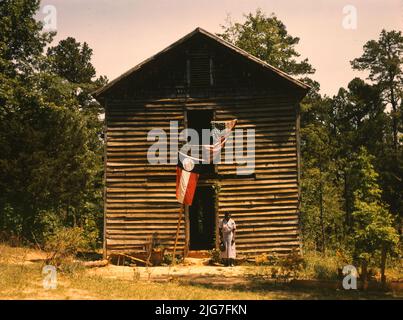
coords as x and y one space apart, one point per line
51 166
21 36
72 61
63 245
384 59
215 255
47 222
292 264
333 130
326 266
168 258
47 162
66 241
322 198
50 148
267 38
12 221
373 224
322 188
322 204
287 267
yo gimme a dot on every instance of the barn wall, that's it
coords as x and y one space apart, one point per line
138 203
140 198
265 208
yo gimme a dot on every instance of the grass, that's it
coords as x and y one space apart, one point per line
26 283
319 266
316 265
325 266
20 279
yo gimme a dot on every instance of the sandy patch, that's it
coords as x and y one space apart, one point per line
187 271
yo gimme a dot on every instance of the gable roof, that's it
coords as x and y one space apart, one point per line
223 42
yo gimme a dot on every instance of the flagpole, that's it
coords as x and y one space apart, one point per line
177 233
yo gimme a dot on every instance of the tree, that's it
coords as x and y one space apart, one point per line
50 151
358 119
321 210
21 36
72 60
384 59
373 224
321 205
267 38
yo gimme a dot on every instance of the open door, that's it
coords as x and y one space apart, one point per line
202 219
199 120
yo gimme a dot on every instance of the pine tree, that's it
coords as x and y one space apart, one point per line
373 230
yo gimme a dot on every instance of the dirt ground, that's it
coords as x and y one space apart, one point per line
21 278
192 269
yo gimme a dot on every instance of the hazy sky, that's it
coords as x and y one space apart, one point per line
122 33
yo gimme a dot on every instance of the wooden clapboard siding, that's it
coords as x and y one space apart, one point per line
201 71
265 208
136 208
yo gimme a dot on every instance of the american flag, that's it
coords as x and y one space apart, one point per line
188 168
221 130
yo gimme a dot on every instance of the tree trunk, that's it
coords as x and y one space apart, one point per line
394 118
346 202
322 224
364 274
383 265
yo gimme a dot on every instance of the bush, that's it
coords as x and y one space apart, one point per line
64 244
215 255
261 259
11 223
49 223
46 225
168 259
91 232
70 266
324 272
324 266
291 264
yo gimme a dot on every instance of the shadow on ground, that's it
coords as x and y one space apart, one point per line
265 286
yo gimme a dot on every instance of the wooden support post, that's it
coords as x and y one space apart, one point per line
187 232
177 234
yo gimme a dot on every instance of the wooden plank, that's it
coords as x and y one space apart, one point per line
136 208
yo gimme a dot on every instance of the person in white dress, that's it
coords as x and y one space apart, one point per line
227 229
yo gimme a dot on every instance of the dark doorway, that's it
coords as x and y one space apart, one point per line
202 218
199 120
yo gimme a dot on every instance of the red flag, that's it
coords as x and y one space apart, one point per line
186 178
187 171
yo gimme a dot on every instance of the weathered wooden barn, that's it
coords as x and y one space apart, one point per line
197 79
